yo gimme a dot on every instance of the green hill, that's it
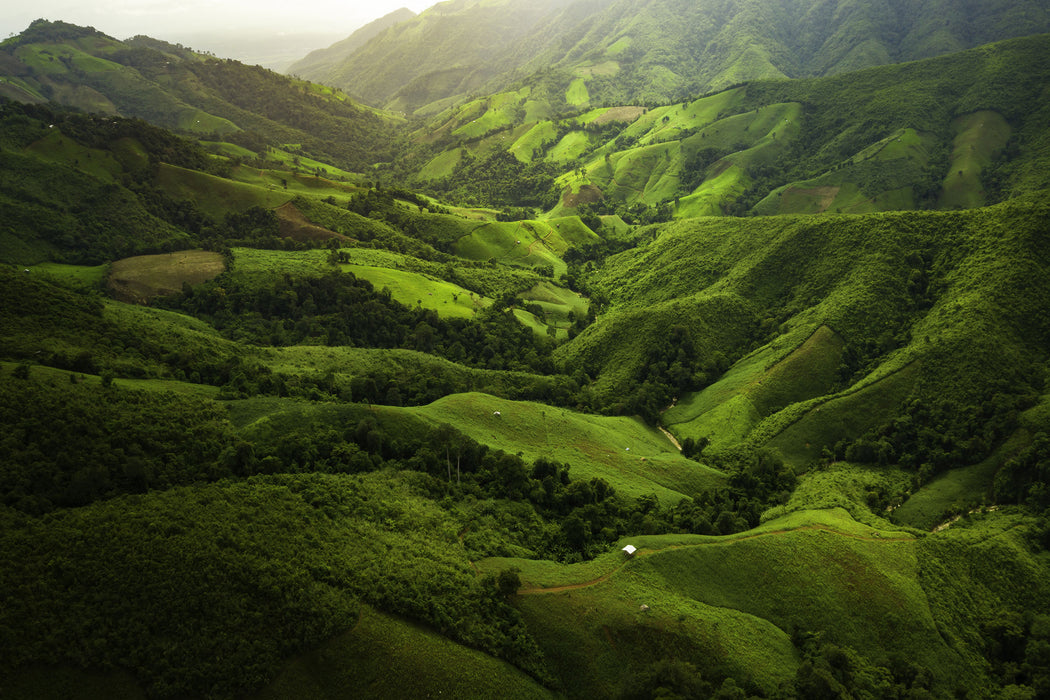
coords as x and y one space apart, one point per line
921 135
273 427
192 93
654 51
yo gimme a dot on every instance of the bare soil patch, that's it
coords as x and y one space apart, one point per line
292 224
588 194
620 114
136 280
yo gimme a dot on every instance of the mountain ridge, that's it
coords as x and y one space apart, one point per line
660 50
316 61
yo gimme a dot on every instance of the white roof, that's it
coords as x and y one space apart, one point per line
630 549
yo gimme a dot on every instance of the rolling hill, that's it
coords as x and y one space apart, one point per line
177 89
276 428
961 130
657 51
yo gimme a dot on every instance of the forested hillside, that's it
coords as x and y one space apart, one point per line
628 52
945 133
521 412
178 89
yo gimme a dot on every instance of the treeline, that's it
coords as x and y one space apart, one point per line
340 309
499 179
535 508
68 444
86 219
929 437
331 128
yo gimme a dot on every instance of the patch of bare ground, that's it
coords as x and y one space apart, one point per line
137 280
588 194
823 196
292 224
620 114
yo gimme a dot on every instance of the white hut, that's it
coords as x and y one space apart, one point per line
629 550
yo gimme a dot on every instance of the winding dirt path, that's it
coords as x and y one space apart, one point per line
536 590
670 437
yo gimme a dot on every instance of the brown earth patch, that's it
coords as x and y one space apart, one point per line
292 224
719 167
588 194
136 280
823 196
620 114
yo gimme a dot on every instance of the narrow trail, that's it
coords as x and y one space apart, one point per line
536 590
670 437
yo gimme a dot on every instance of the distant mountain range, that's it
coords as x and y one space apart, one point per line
177 88
319 60
657 51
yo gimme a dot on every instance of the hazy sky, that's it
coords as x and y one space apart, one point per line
172 19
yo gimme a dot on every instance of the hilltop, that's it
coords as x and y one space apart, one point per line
193 93
316 62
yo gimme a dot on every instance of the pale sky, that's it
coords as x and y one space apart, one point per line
172 19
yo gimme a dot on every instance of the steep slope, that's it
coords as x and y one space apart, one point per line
316 63
180 90
961 130
624 51
920 311
451 49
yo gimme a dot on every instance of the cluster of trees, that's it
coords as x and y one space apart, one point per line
68 444
500 179
1018 647
519 507
1025 477
831 671
671 368
278 564
340 309
929 437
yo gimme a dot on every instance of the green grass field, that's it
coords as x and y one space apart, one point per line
979 137
632 457
521 243
534 140
577 94
416 290
729 409
720 602
293 160
573 145
75 276
441 165
384 656
215 195
57 148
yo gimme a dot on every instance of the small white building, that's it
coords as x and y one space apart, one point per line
629 550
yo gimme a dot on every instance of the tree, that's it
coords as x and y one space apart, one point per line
508 582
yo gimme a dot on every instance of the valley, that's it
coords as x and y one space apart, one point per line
359 389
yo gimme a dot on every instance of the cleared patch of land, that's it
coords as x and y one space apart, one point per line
136 280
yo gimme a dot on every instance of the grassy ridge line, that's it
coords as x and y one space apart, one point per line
540 576
855 274
807 371
387 657
725 615
633 458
